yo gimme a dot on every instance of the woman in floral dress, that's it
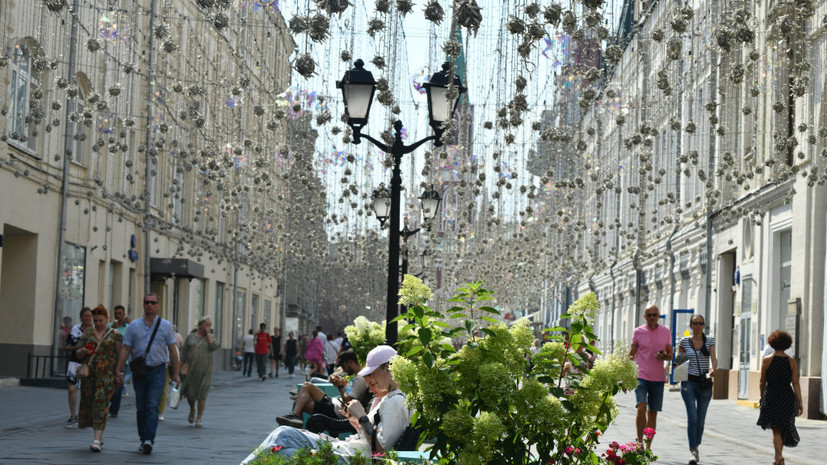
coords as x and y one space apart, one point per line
96 390
197 351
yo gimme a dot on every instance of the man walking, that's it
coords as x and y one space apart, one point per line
248 347
120 324
152 339
262 349
651 345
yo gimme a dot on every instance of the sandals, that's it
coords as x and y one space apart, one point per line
191 418
198 423
95 446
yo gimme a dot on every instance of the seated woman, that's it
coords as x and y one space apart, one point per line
373 435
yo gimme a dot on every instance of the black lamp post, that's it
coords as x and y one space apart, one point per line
358 87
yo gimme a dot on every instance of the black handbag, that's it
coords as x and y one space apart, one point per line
138 364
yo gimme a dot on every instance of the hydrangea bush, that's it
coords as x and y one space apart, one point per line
364 335
489 402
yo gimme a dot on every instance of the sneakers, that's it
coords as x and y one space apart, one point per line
693 458
146 447
290 420
293 392
160 418
72 422
95 446
292 376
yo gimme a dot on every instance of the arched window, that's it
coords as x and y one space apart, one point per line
23 113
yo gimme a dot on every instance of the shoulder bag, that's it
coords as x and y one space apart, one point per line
704 381
138 364
84 370
185 366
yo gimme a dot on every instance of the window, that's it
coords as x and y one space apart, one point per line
72 281
82 127
219 308
22 119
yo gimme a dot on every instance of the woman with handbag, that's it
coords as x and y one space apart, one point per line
196 368
100 347
699 350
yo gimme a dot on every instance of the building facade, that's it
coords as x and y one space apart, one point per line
703 158
142 151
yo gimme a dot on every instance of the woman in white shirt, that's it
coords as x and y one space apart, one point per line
388 405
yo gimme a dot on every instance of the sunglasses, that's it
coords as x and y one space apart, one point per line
651 314
697 323
150 302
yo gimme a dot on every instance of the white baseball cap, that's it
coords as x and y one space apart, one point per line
377 357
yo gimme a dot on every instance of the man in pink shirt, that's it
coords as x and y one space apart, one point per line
651 345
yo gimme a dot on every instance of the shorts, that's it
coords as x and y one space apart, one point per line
71 369
325 407
650 393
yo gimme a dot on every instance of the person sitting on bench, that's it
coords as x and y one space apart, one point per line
314 401
388 404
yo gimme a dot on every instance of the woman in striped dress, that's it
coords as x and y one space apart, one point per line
699 350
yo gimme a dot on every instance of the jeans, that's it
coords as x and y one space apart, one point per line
148 392
261 365
697 401
249 359
115 401
291 440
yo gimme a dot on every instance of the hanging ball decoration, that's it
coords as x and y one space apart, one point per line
434 12
93 45
221 21
469 15
305 65
404 7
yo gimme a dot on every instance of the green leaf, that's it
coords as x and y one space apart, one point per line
488 332
425 336
489 319
448 347
470 325
489 310
407 327
428 358
414 350
459 315
441 324
418 312
400 317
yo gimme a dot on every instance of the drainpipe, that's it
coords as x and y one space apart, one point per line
150 79
614 303
672 280
713 85
823 403
64 183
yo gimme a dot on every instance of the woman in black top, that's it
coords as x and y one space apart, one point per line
780 395
696 392
291 350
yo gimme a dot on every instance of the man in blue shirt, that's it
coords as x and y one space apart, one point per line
150 388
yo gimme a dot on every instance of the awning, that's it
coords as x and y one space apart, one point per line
178 267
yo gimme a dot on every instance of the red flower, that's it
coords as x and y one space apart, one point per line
275 448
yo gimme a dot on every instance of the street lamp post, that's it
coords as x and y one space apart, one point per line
358 87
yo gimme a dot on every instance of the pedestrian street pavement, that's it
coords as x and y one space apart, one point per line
731 436
241 412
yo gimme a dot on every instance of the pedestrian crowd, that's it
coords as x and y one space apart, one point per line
369 414
695 368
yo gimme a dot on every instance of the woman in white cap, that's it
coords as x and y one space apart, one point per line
372 434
